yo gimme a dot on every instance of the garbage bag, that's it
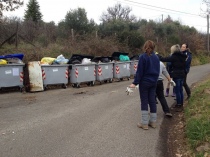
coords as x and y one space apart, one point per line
14 60
47 60
124 58
61 60
86 61
3 61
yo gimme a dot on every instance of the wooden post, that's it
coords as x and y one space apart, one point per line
208 33
72 34
16 36
96 34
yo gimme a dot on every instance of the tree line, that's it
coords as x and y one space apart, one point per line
118 25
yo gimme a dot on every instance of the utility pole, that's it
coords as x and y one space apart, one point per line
162 18
208 33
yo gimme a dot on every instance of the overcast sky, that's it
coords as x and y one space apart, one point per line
187 11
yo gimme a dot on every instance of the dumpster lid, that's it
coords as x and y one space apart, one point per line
77 58
135 57
81 56
17 55
102 59
117 54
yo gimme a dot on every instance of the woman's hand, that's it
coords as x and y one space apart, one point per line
132 86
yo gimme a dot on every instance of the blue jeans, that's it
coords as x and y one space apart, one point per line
179 91
147 92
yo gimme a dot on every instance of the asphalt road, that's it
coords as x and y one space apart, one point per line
97 121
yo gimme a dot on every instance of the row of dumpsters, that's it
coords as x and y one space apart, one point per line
34 76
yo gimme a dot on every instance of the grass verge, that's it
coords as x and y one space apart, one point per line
197 116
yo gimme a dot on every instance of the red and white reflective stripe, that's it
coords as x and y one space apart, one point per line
76 73
67 73
99 71
21 76
94 71
135 66
43 74
117 69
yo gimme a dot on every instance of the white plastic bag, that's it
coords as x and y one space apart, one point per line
86 61
61 60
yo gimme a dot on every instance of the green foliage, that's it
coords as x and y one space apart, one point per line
113 27
204 59
77 20
132 39
197 117
174 39
33 11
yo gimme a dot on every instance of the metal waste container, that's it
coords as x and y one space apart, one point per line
80 73
104 69
55 74
11 75
134 65
104 72
122 70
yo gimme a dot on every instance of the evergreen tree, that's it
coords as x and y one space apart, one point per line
33 11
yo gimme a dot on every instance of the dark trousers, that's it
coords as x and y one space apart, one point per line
186 87
179 90
147 96
161 97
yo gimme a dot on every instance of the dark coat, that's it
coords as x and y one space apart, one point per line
178 64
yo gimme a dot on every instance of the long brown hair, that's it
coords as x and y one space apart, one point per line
149 46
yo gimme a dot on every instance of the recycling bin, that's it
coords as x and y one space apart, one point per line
134 65
82 73
104 72
55 74
12 75
122 70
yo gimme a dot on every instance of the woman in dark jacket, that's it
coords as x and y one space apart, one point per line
178 63
169 69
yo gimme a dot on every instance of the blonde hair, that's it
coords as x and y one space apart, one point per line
149 44
175 48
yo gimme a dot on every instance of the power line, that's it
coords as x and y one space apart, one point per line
162 8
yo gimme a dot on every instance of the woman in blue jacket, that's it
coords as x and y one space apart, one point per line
146 76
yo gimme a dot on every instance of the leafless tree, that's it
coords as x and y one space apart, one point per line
9 5
118 12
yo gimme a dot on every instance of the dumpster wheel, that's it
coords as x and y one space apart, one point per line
110 80
64 86
45 88
22 89
105 81
76 85
121 79
92 83
88 83
128 78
